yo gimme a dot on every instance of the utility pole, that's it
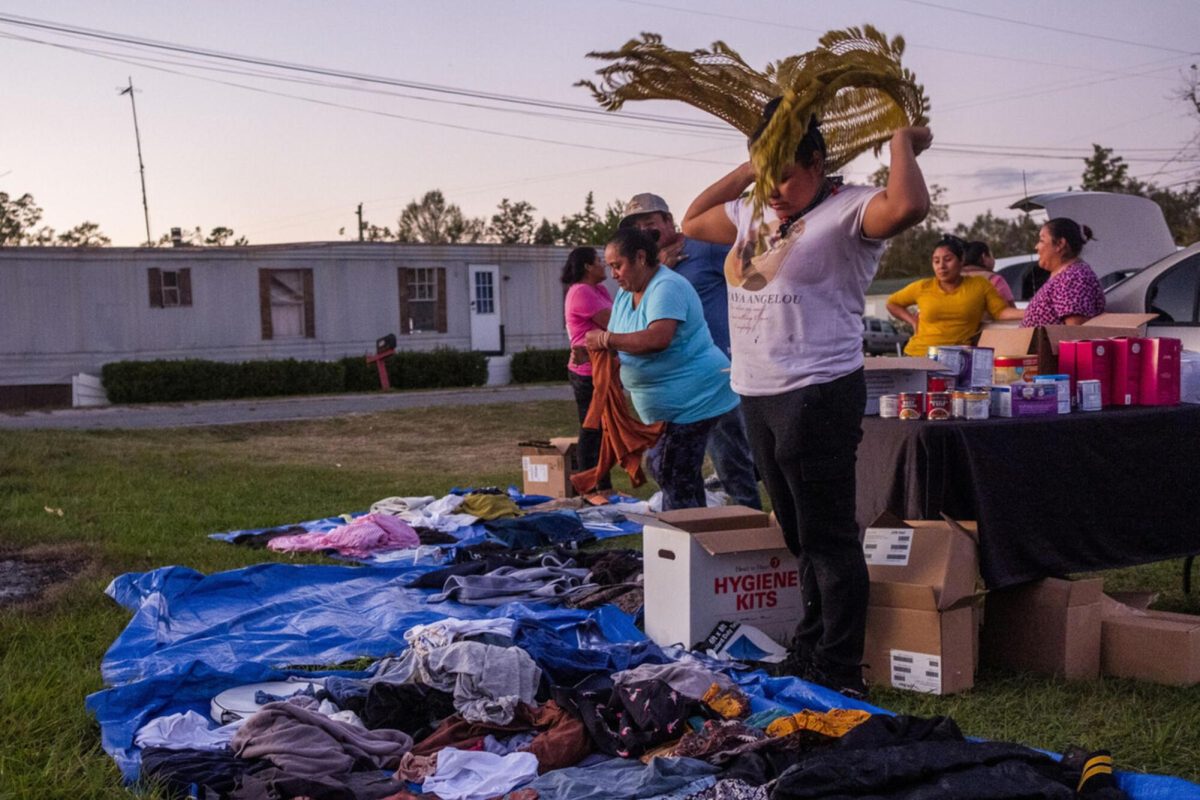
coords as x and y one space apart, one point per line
360 225
141 167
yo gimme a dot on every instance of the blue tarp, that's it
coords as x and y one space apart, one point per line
193 636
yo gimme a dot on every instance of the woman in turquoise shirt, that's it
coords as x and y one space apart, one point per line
669 363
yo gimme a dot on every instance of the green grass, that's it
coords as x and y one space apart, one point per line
133 501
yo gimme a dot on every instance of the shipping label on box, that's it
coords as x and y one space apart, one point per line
535 471
887 545
919 672
546 467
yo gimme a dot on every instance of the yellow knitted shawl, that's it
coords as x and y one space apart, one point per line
852 82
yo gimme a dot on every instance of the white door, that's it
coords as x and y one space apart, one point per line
485 308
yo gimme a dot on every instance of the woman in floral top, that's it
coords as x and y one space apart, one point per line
1073 294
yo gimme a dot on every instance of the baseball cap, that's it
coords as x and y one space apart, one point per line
644 203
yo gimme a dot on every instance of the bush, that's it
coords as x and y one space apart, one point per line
413 369
194 379
536 366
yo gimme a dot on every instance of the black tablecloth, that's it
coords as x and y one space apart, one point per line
1052 495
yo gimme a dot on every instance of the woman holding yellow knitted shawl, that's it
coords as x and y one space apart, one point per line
805 249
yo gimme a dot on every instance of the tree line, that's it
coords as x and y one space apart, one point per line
434 220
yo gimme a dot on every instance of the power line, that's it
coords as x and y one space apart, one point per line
914 45
406 118
1043 27
1053 189
329 72
148 62
961 151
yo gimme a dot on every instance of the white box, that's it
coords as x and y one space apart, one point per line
703 566
886 375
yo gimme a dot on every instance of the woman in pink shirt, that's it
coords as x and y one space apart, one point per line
586 308
977 260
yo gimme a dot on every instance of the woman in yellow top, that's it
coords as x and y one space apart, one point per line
950 305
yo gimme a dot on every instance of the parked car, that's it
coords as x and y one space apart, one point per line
880 336
1170 287
1130 232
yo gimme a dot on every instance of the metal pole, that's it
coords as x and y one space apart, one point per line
360 225
141 166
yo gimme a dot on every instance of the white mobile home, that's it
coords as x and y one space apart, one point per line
65 311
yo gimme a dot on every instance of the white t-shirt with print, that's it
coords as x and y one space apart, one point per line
795 312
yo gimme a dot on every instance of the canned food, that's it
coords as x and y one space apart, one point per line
889 406
937 405
1007 370
970 405
936 384
912 405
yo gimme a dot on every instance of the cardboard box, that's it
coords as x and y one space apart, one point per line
896 375
970 367
704 566
547 466
1093 361
1126 389
1025 399
1189 377
1043 341
1064 389
1161 365
922 629
1155 646
1051 626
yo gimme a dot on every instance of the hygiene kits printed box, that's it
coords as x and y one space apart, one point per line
546 466
705 566
922 620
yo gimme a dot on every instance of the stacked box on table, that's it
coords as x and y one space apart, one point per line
969 367
922 620
705 566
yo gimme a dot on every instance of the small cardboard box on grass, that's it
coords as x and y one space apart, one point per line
546 466
1051 626
704 566
922 621
1043 340
1155 646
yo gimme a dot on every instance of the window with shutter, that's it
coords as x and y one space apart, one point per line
286 303
170 288
422 299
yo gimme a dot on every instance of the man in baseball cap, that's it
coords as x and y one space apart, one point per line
703 264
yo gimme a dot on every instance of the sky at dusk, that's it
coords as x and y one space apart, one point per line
1019 93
